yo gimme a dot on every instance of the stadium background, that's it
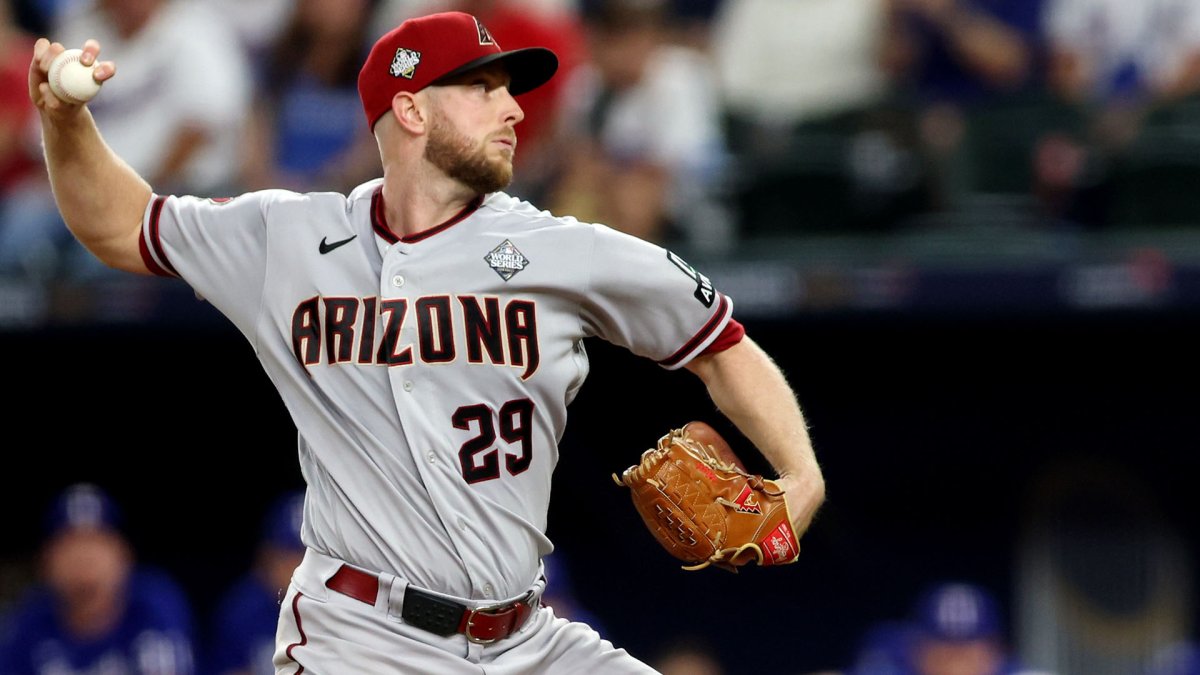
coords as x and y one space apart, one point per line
970 375
934 433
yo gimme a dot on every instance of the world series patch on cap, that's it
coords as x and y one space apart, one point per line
427 49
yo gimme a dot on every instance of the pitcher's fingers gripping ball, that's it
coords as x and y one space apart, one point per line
70 80
701 504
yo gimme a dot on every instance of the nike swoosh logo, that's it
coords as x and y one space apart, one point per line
326 247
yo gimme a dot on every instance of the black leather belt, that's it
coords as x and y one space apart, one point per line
435 614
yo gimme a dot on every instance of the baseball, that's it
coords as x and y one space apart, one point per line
70 80
706 435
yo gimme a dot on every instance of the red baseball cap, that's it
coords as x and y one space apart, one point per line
424 50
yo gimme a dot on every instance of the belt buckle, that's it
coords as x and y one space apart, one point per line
490 609
471 622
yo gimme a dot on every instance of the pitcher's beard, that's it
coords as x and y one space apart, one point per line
463 160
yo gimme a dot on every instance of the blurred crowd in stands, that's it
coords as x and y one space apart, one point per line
692 123
95 606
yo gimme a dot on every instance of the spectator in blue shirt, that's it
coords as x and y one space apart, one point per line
954 628
950 60
244 627
96 610
885 650
959 631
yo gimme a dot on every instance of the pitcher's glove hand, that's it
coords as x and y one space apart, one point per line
704 508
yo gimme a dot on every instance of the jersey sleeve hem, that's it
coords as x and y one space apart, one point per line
700 341
154 256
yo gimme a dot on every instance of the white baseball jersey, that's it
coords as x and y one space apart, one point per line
429 376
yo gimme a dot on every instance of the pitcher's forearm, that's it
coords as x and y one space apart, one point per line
101 198
753 393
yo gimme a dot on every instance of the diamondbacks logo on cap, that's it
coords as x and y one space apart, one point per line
506 260
405 63
485 38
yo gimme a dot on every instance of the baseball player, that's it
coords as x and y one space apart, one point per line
426 334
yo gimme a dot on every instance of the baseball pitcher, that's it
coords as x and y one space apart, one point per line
426 334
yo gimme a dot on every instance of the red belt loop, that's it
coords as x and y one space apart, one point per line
355 583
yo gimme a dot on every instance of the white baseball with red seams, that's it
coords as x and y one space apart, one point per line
70 80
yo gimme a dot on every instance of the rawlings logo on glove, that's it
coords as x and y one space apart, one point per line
699 502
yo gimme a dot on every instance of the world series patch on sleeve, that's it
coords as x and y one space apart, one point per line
701 504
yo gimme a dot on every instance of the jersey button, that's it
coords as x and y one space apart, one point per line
488 590
398 281
432 458
408 385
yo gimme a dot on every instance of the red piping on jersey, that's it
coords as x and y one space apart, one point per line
148 259
303 638
698 337
379 220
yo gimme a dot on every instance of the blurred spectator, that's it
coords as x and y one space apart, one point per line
16 161
802 86
243 631
1119 66
963 51
23 186
954 628
643 149
952 58
392 13
310 134
175 112
693 21
97 610
959 631
1112 50
885 650
783 62
38 16
257 24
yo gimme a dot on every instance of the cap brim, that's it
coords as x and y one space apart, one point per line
529 68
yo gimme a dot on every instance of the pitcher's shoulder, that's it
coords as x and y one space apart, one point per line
525 215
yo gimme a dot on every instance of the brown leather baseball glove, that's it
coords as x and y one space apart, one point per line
698 500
